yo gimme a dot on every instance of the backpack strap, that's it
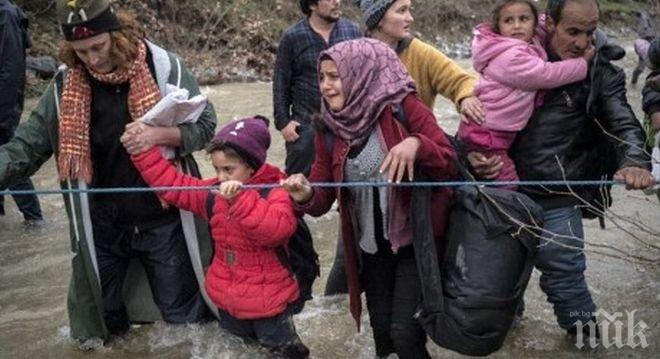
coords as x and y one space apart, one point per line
210 202
280 251
329 141
400 115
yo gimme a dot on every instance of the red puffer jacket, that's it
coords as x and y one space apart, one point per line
245 278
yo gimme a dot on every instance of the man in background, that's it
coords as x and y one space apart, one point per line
13 42
296 94
297 97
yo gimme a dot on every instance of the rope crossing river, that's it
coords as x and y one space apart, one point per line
323 185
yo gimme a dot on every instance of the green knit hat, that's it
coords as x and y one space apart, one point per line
81 19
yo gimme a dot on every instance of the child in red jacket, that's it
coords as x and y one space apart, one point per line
246 280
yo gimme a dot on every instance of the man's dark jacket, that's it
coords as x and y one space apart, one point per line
583 131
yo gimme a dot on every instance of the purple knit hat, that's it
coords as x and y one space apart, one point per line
249 136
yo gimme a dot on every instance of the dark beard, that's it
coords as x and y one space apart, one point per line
330 19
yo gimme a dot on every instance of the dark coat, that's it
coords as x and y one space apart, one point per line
564 138
13 42
435 159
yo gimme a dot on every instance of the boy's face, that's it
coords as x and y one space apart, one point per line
229 168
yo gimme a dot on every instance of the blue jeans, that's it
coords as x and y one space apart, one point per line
27 204
562 269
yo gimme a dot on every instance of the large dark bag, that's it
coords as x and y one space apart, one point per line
469 301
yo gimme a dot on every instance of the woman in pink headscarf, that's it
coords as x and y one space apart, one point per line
375 128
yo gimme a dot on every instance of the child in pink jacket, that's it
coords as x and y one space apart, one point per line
509 55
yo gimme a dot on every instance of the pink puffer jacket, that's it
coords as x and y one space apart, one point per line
512 71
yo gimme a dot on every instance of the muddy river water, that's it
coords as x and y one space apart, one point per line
35 270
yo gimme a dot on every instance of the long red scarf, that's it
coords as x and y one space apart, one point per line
75 161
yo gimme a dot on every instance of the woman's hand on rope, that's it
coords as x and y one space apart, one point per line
229 189
298 187
472 110
400 159
484 167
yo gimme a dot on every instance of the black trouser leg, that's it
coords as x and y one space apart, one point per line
165 258
277 334
28 204
408 336
378 272
391 283
336 283
641 65
113 257
238 327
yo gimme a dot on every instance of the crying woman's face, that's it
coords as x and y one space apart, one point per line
331 86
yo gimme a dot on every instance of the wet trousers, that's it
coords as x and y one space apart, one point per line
393 290
27 204
336 283
163 253
562 269
277 334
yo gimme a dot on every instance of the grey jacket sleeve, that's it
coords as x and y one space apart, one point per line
33 144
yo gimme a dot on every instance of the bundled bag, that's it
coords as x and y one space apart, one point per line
470 300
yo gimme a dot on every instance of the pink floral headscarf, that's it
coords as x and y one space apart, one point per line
373 78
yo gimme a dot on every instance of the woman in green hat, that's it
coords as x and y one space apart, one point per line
131 252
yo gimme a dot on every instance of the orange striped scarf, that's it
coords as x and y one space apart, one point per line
75 160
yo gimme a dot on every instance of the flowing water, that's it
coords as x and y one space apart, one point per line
35 270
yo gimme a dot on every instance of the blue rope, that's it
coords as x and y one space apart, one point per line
323 185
